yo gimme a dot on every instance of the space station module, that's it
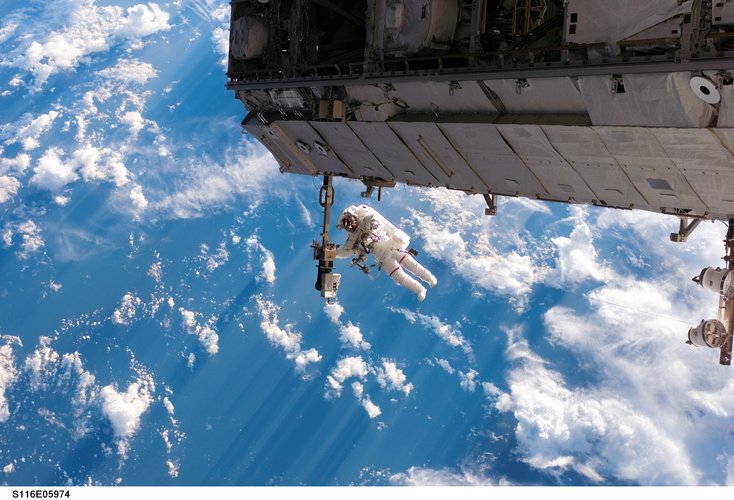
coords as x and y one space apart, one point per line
370 233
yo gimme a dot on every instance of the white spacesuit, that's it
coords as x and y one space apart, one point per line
370 233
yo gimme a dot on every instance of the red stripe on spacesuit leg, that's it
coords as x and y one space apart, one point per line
403 258
394 270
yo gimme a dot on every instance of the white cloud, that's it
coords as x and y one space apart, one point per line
245 173
452 336
61 200
19 164
31 239
468 380
633 336
284 338
173 468
220 34
169 406
48 371
304 358
143 20
350 334
346 368
557 427
7 30
640 419
130 71
491 390
577 257
208 337
155 271
85 390
51 172
27 132
373 411
8 375
125 409
267 260
390 377
371 408
358 389
220 38
215 260
76 29
334 311
125 313
41 365
100 165
8 188
137 197
7 236
484 251
268 270
134 121
420 476
443 363
188 317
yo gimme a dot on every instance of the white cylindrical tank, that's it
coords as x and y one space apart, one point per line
720 281
249 37
709 333
413 25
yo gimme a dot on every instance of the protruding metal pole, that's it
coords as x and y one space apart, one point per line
326 200
327 281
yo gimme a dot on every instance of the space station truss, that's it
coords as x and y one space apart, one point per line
613 103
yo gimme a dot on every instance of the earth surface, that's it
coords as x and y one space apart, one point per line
159 323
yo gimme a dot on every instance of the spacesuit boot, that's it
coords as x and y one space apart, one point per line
409 263
403 279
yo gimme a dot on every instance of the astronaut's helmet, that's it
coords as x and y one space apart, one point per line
347 220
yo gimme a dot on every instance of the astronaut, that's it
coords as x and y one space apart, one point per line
370 233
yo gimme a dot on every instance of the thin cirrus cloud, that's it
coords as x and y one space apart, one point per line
246 172
130 71
447 333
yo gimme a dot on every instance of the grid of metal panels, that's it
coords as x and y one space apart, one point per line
684 171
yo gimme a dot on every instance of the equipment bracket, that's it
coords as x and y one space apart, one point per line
685 230
371 183
491 200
